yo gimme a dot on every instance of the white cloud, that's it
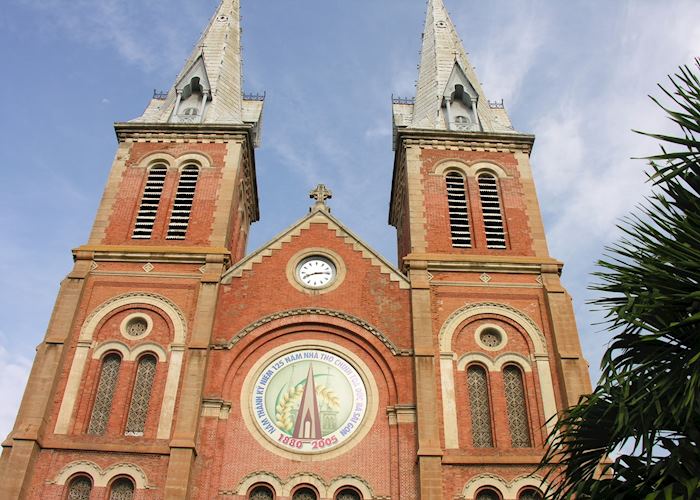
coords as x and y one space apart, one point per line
14 371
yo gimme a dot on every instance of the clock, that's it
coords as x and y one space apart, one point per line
316 272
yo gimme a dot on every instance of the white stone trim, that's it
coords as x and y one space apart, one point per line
305 479
167 408
201 160
112 345
70 393
260 478
514 358
449 402
473 170
476 357
101 478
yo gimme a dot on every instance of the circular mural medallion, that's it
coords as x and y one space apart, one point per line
309 401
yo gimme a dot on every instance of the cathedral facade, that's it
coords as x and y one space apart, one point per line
177 365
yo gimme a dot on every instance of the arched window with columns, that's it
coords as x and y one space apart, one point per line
102 407
487 494
141 395
348 494
516 406
79 488
305 493
480 407
530 494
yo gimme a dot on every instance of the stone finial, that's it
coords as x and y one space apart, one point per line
320 193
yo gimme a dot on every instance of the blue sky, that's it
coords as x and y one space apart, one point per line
576 74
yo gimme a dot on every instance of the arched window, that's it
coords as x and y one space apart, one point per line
517 407
105 392
487 494
261 492
122 489
530 494
477 382
459 214
149 203
491 210
348 494
79 488
180 217
305 493
141 395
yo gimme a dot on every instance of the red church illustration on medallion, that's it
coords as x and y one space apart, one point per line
308 423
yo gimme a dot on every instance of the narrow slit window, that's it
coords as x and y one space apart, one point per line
122 489
102 408
482 435
459 214
149 203
80 488
516 407
491 210
180 217
141 396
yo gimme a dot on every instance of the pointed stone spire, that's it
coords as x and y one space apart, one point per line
448 93
209 87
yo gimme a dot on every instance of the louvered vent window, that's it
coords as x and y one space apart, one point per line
122 489
180 218
138 410
480 407
459 215
105 393
491 209
149 203
80 488
516 407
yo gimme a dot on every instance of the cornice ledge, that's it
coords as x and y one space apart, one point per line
135 253
476 263
132 130
480 139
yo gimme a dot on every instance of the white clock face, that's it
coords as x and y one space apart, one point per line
316 272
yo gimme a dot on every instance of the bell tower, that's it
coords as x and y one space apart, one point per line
497 352
121 369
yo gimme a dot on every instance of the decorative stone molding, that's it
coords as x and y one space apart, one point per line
101 478
317 311
456 318
469 169
508 489
135 298
129 354
326 490
217 408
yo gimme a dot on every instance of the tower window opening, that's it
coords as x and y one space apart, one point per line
102 408
477 382
180 217
141 396
122 489
516 407
459 214
149 203
79 488
491 211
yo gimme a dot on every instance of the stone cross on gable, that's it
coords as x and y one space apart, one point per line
321 193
